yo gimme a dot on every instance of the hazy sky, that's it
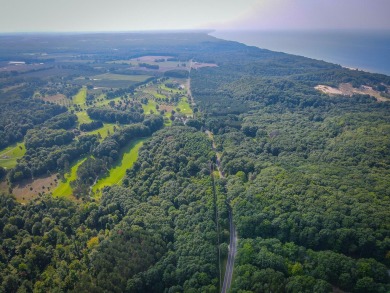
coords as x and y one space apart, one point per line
124 15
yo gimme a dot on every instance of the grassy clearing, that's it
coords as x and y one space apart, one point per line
63 188
128 155
104 131
83 117
81 97
184 106
123 77
150 106
9 156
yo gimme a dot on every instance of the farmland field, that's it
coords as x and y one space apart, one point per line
112 76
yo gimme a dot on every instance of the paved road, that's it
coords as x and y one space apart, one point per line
227 280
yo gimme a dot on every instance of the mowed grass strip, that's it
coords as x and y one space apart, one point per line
128 156
63 188
108 128
9 156
83 117
81 97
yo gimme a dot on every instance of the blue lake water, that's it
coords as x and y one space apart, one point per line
365 50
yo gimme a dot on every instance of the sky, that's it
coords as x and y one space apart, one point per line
138 15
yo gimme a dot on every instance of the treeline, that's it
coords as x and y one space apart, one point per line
119 92
46 137
55 158
18 116
113 115
149 66
91 126
61 121
178 73
271 265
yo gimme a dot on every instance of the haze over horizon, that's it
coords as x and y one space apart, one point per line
122 15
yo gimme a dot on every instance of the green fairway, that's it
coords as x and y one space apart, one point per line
63 189
9 155
104 131
184 106
81 97
128 155
83 117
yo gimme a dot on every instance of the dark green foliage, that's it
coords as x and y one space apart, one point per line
113 115
46 137
149 66
18 116
91 126
178 73
307 175
61 121
270 264
38 161
87 174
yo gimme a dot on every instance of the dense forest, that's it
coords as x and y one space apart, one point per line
305 174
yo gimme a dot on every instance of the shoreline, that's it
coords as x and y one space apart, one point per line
362 51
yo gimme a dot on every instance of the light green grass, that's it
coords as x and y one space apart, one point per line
128 156
107 128
81 97
83 117
112 76
9 156
150 106
184 106
106 102
63 189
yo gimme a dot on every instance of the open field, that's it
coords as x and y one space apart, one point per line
184 106
151 60
129 155
27 190
81 97
63 188
9 156
83 117
104 131
150 106
112 76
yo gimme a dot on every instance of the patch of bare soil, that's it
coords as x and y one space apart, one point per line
346 89
54 98
328 90
166 108
30 189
